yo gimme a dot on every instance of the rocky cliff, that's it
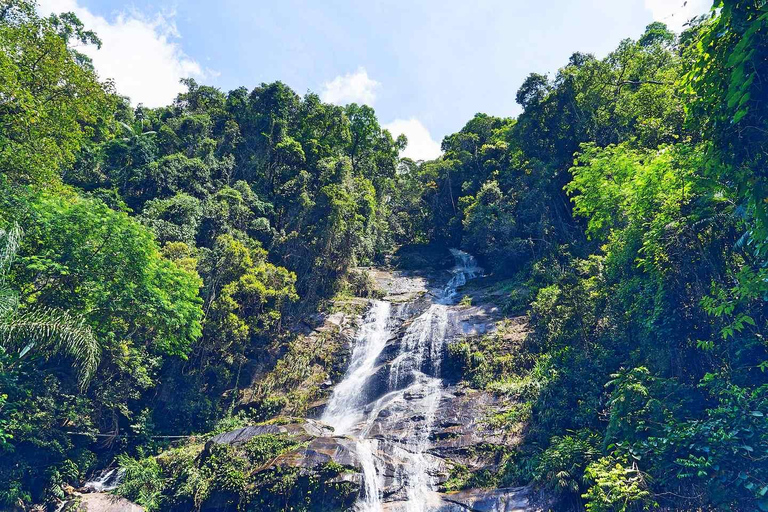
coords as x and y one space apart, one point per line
388 424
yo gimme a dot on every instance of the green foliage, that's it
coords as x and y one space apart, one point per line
88 254
237 477
264 448
81 258
497 361
52 100
54 332
623 212
727 107
616 487
461 477
666 295
562 465
142 482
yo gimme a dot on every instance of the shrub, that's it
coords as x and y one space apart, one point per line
562 464
616 488
143 481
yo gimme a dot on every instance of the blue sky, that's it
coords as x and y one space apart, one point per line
426 66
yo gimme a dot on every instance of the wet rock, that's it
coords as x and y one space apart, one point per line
516 499
462 432
105 481
377 384
321 451
390 351
417 426
398 287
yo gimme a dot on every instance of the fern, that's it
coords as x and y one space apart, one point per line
49 331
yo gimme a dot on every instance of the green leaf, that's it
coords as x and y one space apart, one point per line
739 115
744 99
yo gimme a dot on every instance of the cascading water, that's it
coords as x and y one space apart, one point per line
345 409
106 481
397 426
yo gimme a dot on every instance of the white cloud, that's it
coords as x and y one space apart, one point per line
421 146
355 87
675 13
139 53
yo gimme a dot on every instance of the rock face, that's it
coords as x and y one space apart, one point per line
100 502
462 430
517 499
320 445
395 420
306 429
298 382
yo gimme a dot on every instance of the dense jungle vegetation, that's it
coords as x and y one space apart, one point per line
153 260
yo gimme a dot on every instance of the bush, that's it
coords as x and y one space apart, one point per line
143 481
562 464
616 488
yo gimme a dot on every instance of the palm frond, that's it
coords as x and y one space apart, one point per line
11 238
54 332
125 126
9 301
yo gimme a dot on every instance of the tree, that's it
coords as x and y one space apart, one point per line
52 101
728 106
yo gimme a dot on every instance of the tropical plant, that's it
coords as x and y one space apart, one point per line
35 329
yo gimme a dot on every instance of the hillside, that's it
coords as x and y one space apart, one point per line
248 300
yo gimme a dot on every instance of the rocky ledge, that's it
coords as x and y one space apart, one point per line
462 435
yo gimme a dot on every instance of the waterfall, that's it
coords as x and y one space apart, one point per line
107 481
344 410
413 399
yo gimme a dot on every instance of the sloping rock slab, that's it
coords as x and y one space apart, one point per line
397 286
102 502
513 499
321 446
309 428
323 450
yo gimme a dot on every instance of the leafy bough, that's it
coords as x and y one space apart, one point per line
42 330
